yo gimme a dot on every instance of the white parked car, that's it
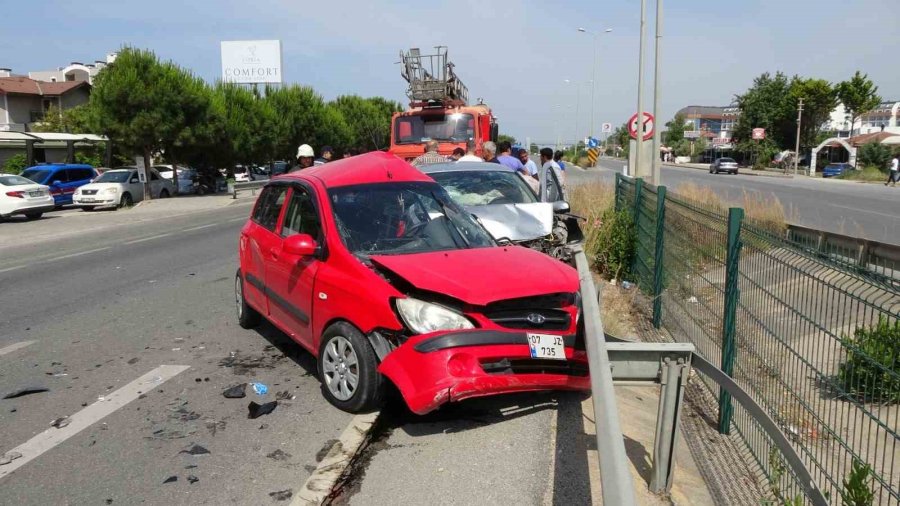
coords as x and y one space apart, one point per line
19 195
188 179
120 187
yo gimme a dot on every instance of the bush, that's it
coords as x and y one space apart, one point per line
875 154
871 372
616 242
869 173
15 164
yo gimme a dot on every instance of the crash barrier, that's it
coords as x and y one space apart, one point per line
783 319
253 186
878 260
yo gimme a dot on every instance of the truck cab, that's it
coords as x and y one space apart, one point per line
450 126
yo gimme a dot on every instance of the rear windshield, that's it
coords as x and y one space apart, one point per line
726 160
36 175
14 180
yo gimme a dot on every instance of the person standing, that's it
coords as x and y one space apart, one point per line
894 173
457 154
305 157
528 163
430 156
470 155
489 152
506 159
326 155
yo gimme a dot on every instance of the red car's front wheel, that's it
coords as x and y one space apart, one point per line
348 369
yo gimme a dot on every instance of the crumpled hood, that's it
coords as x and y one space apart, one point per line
480 276
516 222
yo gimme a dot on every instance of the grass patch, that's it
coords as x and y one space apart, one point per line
590 201
865 174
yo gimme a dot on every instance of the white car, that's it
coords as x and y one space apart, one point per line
19 195
120 187
188 180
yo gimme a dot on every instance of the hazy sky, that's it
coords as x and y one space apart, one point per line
516 54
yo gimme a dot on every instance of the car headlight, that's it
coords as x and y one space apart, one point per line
111 190
423 317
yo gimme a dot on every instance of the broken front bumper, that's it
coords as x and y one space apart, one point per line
433 369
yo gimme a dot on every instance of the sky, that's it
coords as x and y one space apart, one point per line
525 58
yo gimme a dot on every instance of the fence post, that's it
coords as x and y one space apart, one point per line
636 218
729 349
658 255
618 192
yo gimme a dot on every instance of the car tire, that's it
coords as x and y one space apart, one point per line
126 200
248 317
342 344
33 216
164 194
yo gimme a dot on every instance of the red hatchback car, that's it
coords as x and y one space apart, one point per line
369 265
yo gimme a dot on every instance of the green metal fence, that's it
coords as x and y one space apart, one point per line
777 314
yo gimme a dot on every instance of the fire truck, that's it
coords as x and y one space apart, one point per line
438 108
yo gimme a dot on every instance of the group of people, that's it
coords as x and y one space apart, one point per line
306 156
502 153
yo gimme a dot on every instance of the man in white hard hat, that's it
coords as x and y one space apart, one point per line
305 158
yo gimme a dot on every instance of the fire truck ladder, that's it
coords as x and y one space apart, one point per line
431 78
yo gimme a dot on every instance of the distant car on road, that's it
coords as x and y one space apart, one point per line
121 187
723 165
62 178
20 195
370 265
835 169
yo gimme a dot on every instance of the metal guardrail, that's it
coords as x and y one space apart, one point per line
251 185
879 259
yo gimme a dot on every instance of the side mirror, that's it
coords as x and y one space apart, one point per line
561 206
56 183
302 245
134 180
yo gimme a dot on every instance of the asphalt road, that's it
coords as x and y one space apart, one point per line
870 211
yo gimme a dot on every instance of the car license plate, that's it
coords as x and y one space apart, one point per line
35 194
546 346
86 200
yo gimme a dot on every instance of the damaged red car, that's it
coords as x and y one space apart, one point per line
369 265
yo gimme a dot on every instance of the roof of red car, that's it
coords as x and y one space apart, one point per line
374 167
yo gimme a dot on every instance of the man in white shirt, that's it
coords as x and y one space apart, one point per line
529 164
894 173
470 153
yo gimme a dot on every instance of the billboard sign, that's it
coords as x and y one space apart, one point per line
691 134
251 61
758 134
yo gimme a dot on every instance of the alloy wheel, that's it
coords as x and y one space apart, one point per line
340 365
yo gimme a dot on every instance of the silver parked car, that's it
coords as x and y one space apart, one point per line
509 208
723 165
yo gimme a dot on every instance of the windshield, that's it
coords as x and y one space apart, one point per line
439 127
113 177
7 180
479 188
36 175
398 218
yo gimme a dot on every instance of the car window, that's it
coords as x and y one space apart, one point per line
154 176
483 187
9 180
62 175
269 206
301 216
36 175
114 177
82 174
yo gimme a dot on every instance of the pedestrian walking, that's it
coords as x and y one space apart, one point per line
506 159
894 173
470 155
489 152
305 157
326 155
457 154
430 156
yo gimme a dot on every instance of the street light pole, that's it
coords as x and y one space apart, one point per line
797 146
657 163
639 169
594 56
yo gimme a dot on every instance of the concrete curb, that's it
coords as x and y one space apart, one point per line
321 483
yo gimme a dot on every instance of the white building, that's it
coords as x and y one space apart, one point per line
75 71
884 116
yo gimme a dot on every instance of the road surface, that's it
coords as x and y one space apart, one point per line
870 211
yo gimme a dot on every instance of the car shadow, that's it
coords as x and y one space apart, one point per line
288 347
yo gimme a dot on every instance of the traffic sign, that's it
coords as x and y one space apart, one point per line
606 128
592 142
593 153
691 134
647 126
759 134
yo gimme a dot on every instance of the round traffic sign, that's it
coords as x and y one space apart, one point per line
647 126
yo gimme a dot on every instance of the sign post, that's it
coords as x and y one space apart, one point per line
640 154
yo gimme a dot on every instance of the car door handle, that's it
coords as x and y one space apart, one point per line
273 253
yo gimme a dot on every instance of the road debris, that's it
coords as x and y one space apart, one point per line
285 396
279 455
236 392
258 410
259 388
196 449
170 479
693 300
282 495
192 479
214 426
8 457
61 422
134 361
25 391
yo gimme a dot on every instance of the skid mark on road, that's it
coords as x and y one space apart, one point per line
16 346
50 438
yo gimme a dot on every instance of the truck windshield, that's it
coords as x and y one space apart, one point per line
399 218
456 127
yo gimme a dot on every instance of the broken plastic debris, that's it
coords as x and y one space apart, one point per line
259 388
192 479
170 479
176 349
196 450
61 422
25 391
236 392
693 300
628 285
279 455
8 457
258 410
282 495
285 396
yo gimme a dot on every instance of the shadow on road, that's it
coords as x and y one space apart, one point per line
571 479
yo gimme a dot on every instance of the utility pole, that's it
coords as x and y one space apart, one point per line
657 163
797 148
640 105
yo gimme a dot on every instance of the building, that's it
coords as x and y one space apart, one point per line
75 71
715 122
885 117
25 101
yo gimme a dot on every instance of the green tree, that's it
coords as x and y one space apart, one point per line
675 130
859 96
303 117
15 164
534 149
76 120
244 126
767 104
819 99
508 138
875 155
369 120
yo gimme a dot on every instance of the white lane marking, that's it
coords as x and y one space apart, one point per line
201 227
15 346
144 239
320 483
242 218
73 255
864 211
47 440
11 268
